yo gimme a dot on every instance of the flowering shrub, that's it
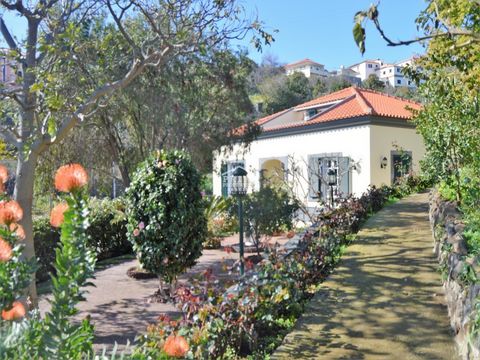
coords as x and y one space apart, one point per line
165 211
252 316
55 336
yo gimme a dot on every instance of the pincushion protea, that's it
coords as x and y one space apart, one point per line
70 177
176 346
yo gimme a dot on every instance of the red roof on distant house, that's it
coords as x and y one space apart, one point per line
302 62
350 103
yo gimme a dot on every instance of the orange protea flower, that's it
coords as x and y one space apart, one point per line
5 251
3 174
57 214
10 212
17 311
176 346
70 177
18 229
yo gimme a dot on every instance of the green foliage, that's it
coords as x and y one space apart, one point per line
373 83
74 265
267 211
166 221
107 235
250 319
56 335
219 222
289 91
46 239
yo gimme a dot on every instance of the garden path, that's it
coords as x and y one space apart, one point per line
118 305
384 300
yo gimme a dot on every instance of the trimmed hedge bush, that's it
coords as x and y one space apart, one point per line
166 220
107 234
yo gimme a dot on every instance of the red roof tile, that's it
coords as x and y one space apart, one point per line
352 102
301 62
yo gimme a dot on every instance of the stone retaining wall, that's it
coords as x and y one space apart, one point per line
451 250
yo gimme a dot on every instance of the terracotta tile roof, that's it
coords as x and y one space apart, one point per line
241 130
352 102
301 62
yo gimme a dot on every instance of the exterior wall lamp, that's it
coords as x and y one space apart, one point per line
383 162
239 189
332 181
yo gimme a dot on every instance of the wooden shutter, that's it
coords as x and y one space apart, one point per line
313 179
224 177
344 176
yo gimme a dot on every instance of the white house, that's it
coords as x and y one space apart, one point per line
391 74
366 68
308 67
364 136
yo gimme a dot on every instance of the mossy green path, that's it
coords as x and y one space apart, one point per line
384 300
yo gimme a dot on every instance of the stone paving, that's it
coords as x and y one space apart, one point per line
384 300
119 306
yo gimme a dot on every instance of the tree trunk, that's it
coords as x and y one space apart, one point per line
24 195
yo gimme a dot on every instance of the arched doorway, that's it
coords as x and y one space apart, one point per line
272 173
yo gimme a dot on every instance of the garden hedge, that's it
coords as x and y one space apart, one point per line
107 234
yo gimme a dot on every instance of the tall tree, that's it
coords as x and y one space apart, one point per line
373 83
53 58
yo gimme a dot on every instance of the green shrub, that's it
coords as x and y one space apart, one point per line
165 211
267 211
46 239
107 234
219 223
108 228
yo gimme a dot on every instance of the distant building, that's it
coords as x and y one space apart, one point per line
391 74
308 67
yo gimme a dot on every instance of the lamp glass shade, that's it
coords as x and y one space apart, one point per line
239 182
331 177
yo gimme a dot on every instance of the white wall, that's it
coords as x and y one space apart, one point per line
383 140
353 142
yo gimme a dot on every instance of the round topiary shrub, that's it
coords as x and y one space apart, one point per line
166 221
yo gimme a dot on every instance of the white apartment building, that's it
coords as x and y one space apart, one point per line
308 67
388 73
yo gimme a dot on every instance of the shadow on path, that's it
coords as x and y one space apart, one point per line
384 300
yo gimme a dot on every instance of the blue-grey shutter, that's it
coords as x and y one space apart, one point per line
313 178
224 177
344 172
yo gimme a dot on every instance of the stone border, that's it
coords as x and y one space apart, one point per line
450 249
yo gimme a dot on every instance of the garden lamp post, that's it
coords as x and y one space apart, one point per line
332 181
239 189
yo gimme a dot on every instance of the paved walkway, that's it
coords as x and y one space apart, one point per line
384 301
119 306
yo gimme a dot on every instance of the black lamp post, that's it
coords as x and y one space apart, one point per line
332 181
239 189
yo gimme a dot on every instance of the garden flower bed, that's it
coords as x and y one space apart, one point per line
251 317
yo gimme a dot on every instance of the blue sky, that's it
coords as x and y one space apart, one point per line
321 29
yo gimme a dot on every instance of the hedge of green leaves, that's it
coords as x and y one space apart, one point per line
107 235
165 211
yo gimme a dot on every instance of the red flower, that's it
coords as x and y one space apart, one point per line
3 174
57 214
10 212
70 177
18 229
5 251
249 264
176 346
17 311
